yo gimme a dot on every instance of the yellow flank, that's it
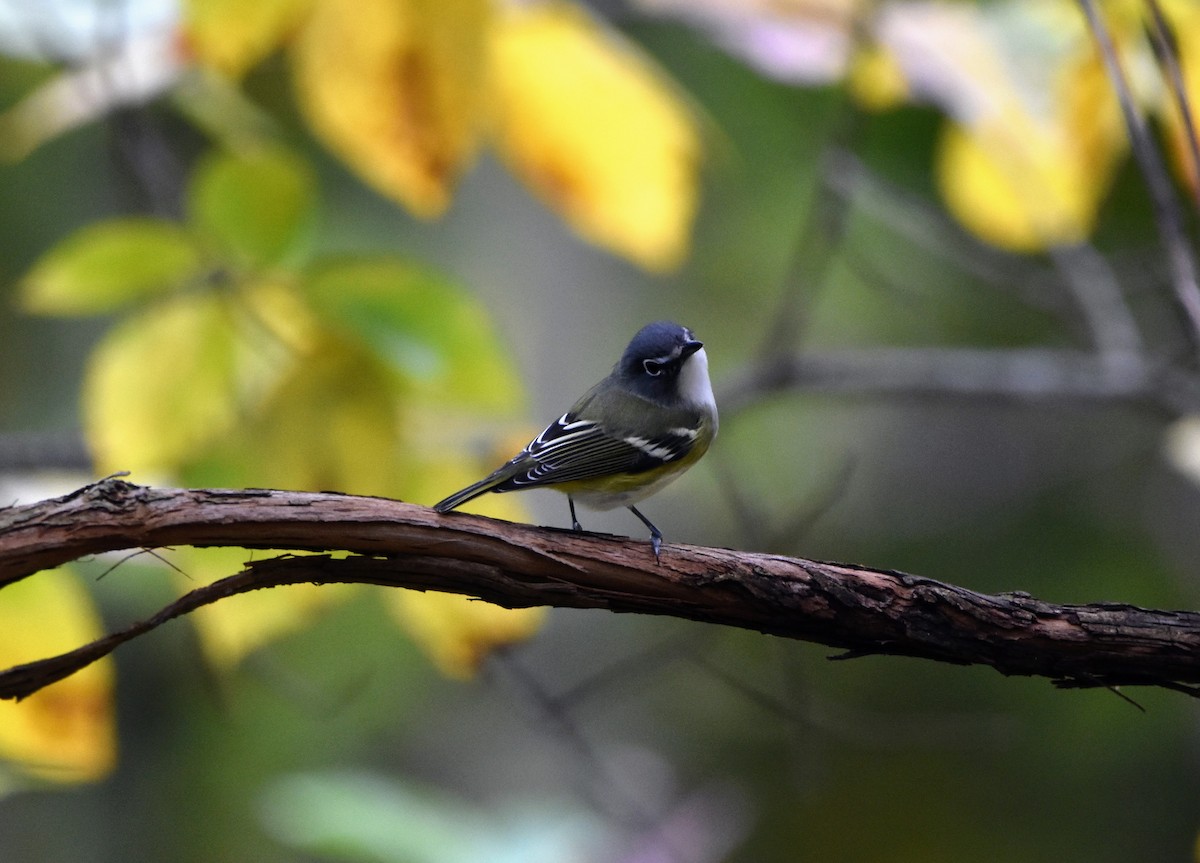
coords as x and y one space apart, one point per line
605 492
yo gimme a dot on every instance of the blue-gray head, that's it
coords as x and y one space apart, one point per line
655 357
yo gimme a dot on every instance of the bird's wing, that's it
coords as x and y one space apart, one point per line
575 449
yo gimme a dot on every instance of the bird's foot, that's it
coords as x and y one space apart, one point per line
655 534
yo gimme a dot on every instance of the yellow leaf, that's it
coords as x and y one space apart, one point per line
598 133
455 632
65 732
1034 132
990 192
330 423
395 88
236 626
1025 182
876 79
160 385
290 323
231 36
458 633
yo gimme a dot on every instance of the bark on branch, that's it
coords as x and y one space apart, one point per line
860 610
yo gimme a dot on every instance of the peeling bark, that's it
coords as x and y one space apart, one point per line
860 610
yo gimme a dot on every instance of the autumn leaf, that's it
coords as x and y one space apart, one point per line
395 88
595 131
238 625
1025 179
457 632
66 732
1022 196
161 384
231 36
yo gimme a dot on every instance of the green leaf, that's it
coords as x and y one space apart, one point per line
111 264
256 208
161 384
436 335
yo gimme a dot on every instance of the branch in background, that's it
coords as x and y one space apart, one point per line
1092 285
31 451
1164 43
818 241
862 611
1166 212
929 228
1000 373
1097 293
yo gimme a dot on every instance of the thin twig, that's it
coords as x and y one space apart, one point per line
138 553
816 245
1098 295
1163 42
931 230
1166 211
22 451
1045 375
597 785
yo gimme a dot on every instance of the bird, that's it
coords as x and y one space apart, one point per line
631 434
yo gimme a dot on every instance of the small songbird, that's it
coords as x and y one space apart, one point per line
630 435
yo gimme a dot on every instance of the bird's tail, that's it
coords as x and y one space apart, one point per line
469 493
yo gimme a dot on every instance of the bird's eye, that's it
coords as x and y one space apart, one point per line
653 367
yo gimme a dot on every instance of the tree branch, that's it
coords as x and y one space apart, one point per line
1167 213
1048 374
863 611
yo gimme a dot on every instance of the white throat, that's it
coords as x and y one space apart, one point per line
694 385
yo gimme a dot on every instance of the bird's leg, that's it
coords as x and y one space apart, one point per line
655 533
575 525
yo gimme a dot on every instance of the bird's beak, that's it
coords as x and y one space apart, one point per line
690 347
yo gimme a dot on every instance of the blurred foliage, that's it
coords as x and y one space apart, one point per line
65 733
207 274
349 817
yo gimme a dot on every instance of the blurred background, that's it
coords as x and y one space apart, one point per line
375 246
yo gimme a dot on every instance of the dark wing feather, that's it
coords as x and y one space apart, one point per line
572 449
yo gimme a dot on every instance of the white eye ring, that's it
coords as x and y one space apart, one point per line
653 367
